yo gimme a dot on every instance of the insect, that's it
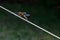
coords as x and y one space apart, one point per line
24 14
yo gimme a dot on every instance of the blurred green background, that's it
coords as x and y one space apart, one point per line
44 14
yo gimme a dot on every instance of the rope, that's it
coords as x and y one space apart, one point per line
30 22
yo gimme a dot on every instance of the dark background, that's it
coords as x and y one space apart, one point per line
46 3
45 13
